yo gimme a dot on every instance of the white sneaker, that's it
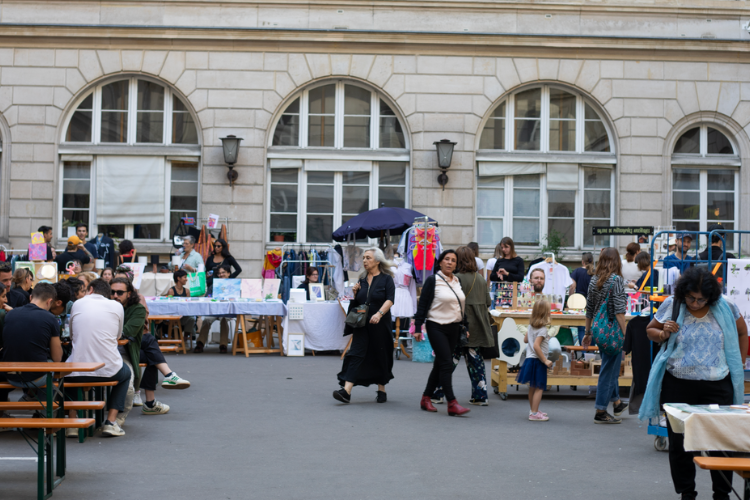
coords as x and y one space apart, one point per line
137 399
175 382
71 433
159 408
112 430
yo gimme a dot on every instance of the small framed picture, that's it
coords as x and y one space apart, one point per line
317 294
295 344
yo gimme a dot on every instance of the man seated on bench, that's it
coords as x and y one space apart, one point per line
32 334
222 272
95 326
143 348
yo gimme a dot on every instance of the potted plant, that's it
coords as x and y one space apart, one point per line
277 236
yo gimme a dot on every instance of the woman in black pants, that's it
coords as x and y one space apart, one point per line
441 307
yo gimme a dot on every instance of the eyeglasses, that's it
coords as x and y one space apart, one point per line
119 293
692 299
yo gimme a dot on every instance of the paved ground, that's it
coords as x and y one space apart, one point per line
267 427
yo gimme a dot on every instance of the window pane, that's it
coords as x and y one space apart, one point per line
115 96
77 170
293 108
718 144
147 231
184 171
596 204
565 228
392 196
184 130
114 126
321 131
79 129
685 205
287 131
184 187
526 181
283 198
72 217
356 100
493 134
489 231
357 131
490 202
588 238
285 226
687 226
320 199
720 206
322 100
529 104
150 96
76 194
319 228
355 199
590 114
526 202
356 178
562 135
493 181
174 219
561 104
391 134
596 178
87 103
595 137
560 203
528 135
526 231
686 179
112 230
320 177
284 175
393 173
385 110
150 127
721 180
689 142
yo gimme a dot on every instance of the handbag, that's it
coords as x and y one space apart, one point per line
357 317
197 284
463 331
605 330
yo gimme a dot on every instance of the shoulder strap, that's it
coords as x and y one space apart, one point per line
472 284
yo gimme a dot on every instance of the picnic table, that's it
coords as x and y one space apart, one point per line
46 426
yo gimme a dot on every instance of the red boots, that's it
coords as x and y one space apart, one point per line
455 409
426 404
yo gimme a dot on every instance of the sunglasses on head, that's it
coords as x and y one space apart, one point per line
119 293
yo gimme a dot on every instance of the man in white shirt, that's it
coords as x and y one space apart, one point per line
95 326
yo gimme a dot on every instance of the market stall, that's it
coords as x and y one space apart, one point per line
322 324
155 284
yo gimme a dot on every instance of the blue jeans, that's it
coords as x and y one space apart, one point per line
607 390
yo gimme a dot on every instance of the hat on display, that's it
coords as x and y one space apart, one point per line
74 241
672 241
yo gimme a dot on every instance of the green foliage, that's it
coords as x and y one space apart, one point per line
553 242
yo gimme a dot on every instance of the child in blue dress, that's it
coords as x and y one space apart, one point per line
534 369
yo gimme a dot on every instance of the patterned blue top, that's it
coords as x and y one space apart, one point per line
699 348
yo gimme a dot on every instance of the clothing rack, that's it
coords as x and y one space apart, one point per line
425 224
324 263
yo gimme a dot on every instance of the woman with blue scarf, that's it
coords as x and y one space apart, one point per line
701 362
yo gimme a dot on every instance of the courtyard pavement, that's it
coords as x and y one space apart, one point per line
267 428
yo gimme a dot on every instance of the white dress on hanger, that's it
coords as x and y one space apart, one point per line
405 302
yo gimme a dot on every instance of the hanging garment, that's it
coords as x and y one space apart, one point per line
204 245
404 242
340 251
271 262
354 254
424 250
405 302
287 269
338 272
105 249
556 277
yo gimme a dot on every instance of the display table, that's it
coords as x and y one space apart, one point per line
323 326
156 284
555 319
710 427
270 313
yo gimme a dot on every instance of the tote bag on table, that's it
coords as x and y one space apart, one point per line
197 284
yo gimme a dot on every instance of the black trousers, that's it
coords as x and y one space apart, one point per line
152 356
443 339
117 397
694 392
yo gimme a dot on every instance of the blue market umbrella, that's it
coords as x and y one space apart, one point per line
371 223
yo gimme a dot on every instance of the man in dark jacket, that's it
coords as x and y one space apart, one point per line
75 251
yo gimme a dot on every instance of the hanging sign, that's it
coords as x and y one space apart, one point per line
188 221
622 230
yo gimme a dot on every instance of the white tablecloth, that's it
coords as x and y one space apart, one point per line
722 430
155 284
175 307
323 326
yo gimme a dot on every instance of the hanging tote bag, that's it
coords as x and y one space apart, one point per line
357 317
605 330
197 284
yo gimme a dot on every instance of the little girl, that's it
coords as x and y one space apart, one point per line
534 369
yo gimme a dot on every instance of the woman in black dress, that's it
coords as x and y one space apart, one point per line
370 357
509 267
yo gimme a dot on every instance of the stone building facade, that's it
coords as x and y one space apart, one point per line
565 115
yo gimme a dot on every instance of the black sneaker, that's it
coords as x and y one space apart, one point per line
382 397
690 496
606 418
342 395
619 409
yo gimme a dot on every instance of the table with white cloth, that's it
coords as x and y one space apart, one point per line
156 284
270 312
322 325
710 427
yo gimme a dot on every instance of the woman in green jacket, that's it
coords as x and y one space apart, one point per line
478 302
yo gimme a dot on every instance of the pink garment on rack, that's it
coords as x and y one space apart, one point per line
269 274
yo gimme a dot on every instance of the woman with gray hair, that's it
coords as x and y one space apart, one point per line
370 357
191 260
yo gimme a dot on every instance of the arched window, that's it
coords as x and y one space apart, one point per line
338 149
545 170
705 180
129 157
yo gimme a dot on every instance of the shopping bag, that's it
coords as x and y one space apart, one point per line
197 284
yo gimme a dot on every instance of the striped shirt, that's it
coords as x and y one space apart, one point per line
595 297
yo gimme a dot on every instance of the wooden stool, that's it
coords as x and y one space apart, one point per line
173 322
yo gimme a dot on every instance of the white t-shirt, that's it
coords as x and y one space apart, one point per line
95 325
490 266
630 271
532 334
480 264
556 277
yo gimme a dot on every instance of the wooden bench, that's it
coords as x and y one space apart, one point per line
35 405
45 447
169 348
739 465
173 324
69 385
169 342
